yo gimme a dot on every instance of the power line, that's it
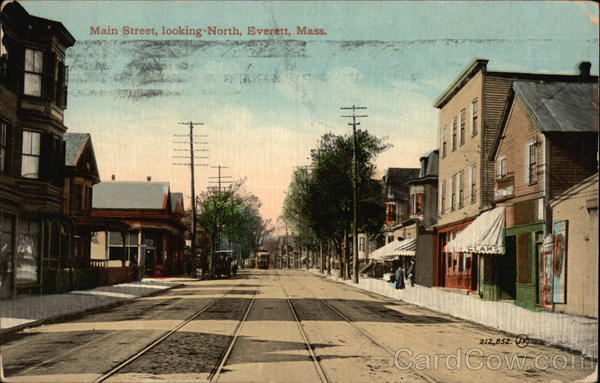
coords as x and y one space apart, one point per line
220 177
354 124
192 157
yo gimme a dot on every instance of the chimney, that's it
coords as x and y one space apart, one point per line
112 178
148 178
584 69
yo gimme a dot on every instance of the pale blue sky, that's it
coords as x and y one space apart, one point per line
266 101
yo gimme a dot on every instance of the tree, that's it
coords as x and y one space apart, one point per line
231 215
319 201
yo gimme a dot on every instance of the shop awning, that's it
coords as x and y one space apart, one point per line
408 247
484 235
394 249
385 253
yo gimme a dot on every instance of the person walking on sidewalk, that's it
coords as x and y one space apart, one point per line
399 275
411 273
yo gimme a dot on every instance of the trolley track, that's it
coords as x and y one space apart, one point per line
316 362
162 338
366 334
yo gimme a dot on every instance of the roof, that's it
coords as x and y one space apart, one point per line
555 107
17 11
560 106
481 65
396 178
75 143
470 71
75 146
131 195
176 200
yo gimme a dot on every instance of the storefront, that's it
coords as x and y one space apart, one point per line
480 246
451 269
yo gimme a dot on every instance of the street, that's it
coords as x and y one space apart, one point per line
276 326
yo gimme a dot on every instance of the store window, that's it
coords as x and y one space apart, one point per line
28 233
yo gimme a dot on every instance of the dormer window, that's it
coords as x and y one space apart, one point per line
34 64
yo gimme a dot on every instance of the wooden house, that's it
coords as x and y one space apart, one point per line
155 240
547 143
471 109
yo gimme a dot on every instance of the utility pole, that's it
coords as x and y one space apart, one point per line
354 123
192 166
220 177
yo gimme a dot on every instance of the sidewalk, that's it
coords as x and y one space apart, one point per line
569 331
31 311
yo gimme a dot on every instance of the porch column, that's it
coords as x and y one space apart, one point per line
124 238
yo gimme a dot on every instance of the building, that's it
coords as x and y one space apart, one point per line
155 239
547 143
423 216
575 270
396 196
33 96
471 109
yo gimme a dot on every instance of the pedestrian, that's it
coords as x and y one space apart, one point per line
411 273
399 278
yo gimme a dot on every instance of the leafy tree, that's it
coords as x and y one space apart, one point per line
319 201
231 215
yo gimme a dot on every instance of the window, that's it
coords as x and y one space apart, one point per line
501 167
390 213
76 197
444 142
30 159
361 244
61 75
473 183
4 155
454 127
34 64
116 252
453 191
531 164
474 117
443 204
417 204
461 191
462 127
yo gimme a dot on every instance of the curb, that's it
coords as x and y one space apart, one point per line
72 314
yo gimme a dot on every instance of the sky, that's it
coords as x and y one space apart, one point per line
265 100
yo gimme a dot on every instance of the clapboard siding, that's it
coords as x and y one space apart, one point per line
495 95
572 159
520 131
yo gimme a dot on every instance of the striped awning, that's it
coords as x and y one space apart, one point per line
385 253
484 235
408 247
395 249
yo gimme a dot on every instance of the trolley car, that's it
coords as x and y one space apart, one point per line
262 259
